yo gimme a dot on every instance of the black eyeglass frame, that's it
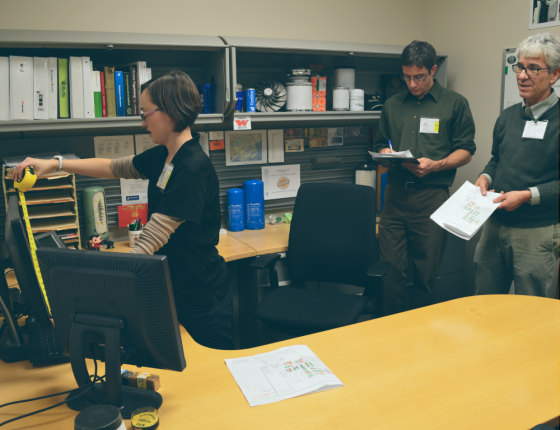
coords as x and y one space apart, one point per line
516 68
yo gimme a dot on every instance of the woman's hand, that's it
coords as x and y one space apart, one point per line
41 167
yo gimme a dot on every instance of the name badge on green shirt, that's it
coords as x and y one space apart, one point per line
429 125
534 130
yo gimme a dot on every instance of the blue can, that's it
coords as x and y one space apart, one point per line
253 190
239 101
207 97
236 209
251 102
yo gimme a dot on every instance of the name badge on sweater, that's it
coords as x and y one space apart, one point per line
429 125
535 130
164 177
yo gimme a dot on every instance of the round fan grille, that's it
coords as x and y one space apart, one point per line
270 95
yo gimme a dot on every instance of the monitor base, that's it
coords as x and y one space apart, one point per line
132 399
11 354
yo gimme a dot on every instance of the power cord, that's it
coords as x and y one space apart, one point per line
85 388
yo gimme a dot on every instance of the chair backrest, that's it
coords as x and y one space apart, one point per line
332 236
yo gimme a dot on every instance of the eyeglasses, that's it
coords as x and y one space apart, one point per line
531 71
415 79
143 115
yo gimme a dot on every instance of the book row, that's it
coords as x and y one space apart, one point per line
35 88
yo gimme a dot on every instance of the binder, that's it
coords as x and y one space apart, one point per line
110 91
41 88
53 88
4 89
128 111
134 89
21 88
96 85
63 89
103 95
76 76
88 91
119 93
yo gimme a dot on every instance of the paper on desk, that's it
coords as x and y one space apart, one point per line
464 213
287 372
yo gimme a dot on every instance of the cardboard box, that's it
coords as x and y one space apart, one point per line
319 93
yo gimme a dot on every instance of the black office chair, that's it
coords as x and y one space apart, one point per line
332 239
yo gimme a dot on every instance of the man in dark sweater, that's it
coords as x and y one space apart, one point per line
520 241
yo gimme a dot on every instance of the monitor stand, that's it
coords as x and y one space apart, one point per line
127 399
14 345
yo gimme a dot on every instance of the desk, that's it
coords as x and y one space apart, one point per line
229 248
483 362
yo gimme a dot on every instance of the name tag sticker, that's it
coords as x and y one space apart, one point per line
164 177
429 125
534 130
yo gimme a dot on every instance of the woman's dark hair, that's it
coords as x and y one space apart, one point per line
176 95
420 54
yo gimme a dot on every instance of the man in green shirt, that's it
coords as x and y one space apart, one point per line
436 126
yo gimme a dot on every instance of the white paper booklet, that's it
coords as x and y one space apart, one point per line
287 372
466 211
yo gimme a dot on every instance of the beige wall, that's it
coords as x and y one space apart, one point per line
474 34
366 21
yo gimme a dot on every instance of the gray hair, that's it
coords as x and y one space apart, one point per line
541 44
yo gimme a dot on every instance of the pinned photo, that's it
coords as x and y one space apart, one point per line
294 145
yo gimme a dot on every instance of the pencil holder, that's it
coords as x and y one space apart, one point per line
133 237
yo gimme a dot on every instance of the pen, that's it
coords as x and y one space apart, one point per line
391 147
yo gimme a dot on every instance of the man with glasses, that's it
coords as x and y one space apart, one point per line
436 126
520 241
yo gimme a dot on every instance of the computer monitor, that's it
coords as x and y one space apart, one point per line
22 263
122 305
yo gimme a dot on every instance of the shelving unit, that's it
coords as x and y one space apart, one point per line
52 204
198 56
256 59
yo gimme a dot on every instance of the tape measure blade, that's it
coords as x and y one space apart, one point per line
33 247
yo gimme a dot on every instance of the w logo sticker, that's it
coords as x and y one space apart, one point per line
243 123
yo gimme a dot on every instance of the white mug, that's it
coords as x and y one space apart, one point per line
133 237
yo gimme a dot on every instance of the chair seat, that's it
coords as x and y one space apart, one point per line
310 310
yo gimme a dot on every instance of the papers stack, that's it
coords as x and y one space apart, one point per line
288 372
466 211
402 157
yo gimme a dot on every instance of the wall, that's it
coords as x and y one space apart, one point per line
474 35
370 21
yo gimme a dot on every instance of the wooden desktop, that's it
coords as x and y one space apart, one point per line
483 362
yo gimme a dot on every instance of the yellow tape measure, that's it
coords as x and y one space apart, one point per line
32 244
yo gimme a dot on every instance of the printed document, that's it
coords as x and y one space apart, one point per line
113 147
280 182
288 372
465 211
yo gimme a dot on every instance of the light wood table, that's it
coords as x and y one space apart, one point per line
229 247
271 239
483 362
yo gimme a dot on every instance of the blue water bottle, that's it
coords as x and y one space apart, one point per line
254 204
236 209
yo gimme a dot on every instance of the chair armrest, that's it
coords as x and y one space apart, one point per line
378 268
265 261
